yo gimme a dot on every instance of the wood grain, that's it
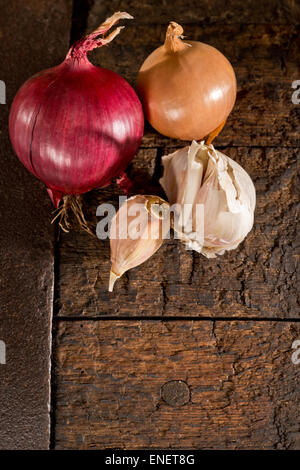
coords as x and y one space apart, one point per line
34 36
265 59
174 380
205 383
204 12
111 376
259 279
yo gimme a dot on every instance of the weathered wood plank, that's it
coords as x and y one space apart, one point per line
111 392
117 383
34 36
204 12
266 61
259 279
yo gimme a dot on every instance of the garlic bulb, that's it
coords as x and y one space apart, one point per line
136 233
214 197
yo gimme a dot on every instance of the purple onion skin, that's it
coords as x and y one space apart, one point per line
76 126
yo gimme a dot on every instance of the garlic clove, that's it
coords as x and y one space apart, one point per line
201 177
112 279
174 176
228 207
136 233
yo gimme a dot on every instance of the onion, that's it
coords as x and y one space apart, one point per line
187 89
76 126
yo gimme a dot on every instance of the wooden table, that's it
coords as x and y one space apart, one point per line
186 353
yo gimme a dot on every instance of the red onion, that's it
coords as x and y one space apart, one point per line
76 126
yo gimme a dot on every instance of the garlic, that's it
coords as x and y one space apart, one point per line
136 233
214 197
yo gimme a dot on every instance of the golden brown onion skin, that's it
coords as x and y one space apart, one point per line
186 93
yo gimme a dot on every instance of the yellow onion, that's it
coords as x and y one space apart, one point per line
187 88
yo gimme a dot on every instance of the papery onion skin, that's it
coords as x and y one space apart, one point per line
187 88
76 126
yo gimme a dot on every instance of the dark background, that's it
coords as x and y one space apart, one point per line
186 353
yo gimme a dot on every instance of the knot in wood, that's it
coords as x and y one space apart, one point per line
175 393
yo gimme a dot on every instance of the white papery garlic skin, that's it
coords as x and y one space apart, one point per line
201 175
137 231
